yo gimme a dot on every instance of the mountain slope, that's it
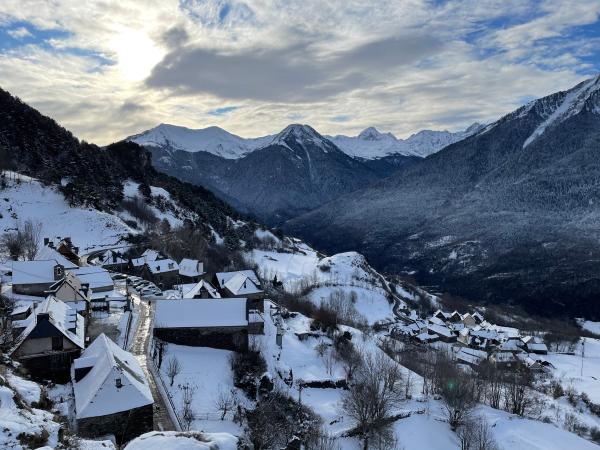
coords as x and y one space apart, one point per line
297 171
371 144
509 214
90 176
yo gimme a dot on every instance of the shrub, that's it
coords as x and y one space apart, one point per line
30 440
247 368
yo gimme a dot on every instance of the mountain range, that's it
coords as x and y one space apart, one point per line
509 214
314 169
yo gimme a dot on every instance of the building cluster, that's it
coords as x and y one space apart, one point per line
475 340
53 301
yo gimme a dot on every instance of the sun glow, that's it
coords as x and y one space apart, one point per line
136 54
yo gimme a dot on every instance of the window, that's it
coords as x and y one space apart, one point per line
57 343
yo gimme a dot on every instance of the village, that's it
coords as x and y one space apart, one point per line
144 342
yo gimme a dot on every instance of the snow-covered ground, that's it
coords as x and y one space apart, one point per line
173 440
583 374
208 372
89 229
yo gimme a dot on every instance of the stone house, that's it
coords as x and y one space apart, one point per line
112 394
216 323
35 277
162 272
190 270
53 335
241 284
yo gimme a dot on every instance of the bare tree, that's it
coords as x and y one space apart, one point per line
373 395
32 233
321 348
173 368
225 402
323 442
476 434
457 392
187 411
14 244
6 328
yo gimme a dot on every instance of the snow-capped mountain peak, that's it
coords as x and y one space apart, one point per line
212 139
301 135
372 134
372 144
557 108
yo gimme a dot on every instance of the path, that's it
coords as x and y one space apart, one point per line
162 420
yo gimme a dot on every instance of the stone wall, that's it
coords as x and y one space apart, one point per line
125 425
226 338
54 366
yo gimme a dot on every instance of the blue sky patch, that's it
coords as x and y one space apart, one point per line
222 111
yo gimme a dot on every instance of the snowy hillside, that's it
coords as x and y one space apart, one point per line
213 140
372 144
25 198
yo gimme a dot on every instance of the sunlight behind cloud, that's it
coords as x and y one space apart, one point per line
136 54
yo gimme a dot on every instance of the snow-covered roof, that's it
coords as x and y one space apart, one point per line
162 265
224 277
192 291
427 337
471 356
47 253
96 277
193 313
33 272
241 284
510 346
440 330
97 394
151 255
64 318
191 267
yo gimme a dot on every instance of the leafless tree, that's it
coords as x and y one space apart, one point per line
187 411
225 402
32 233
173 369
14 244
323 442
321 348
457 390
476 434
6 328
373 394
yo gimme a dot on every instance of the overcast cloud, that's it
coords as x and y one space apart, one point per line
109 69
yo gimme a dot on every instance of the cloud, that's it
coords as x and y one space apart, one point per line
108 69
19 33
175 37
294 73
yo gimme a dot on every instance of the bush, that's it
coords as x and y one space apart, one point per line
29 440
247 369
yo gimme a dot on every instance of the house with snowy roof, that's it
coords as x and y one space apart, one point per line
218 323
97 278
35 277
71 290
190 270
113 261
444 333
162 272
534 344
241 284
471 357
53 337
48 253
64 246
201 289
112 394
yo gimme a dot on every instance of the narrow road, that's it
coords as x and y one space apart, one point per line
141 341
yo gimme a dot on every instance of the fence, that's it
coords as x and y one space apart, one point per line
164 393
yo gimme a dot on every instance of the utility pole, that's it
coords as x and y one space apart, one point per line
582 354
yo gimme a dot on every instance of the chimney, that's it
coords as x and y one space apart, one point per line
46 241
85 288
59 272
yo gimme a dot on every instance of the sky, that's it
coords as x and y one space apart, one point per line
109 69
